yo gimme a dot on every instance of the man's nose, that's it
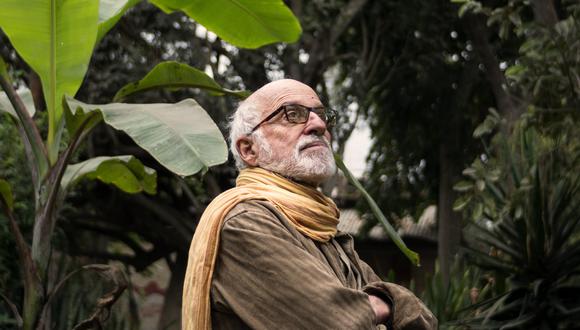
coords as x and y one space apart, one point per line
315 125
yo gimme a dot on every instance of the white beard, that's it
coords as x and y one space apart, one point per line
311 166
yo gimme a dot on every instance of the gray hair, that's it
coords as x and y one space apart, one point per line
241 123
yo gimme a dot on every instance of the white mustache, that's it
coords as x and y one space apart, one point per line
306 140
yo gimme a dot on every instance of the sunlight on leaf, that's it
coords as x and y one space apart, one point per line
125 172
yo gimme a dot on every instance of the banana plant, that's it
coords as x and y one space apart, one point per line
56 38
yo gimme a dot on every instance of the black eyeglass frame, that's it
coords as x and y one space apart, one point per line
329 115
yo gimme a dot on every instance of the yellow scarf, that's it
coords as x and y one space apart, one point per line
313 214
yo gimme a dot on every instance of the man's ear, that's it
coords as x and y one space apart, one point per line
247 150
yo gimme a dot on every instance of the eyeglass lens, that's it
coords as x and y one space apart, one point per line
298 114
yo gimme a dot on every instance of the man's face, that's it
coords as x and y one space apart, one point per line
299 151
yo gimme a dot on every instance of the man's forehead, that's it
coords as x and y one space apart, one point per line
273 95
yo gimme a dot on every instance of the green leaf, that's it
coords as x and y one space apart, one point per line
504 30
110 11
244 23
490 237
520 321
515 18
470 172
181 136
490 262
172 75
477 211
518 212
564 27
463 186
486 127
493 175
56 38
6 194
411 255
514 71
469 6
461 203
26 97
76 117
125 172
529 45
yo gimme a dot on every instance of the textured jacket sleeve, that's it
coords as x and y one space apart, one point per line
408 312
268 279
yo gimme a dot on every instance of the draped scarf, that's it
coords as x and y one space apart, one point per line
313 214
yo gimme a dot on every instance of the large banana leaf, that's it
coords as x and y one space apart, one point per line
244 23
173 74
125 172
110 11
56 38
181 136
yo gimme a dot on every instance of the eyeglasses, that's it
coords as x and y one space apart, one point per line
299 114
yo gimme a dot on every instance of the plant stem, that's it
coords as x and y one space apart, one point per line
14 310
46 215
33 139
32 288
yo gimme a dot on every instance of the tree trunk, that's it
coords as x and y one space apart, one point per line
449 231
545 12
477 29
321 49
171 313
450 166
450 155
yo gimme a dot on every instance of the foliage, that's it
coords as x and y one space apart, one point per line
257 23
522 194
411 117
410 254
453 301
11 167
176 75
56 39
544 74
523 197
181 136
78 294
547 72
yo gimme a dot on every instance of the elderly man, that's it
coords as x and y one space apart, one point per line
266 254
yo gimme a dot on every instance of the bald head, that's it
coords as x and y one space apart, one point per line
277 93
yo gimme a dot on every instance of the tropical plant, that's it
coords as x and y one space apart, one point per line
453 301
523 199
56 39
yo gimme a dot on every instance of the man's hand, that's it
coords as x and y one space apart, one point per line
382 309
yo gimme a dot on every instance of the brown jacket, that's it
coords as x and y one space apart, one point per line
269 276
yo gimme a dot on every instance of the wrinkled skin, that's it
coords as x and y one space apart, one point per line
299 151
